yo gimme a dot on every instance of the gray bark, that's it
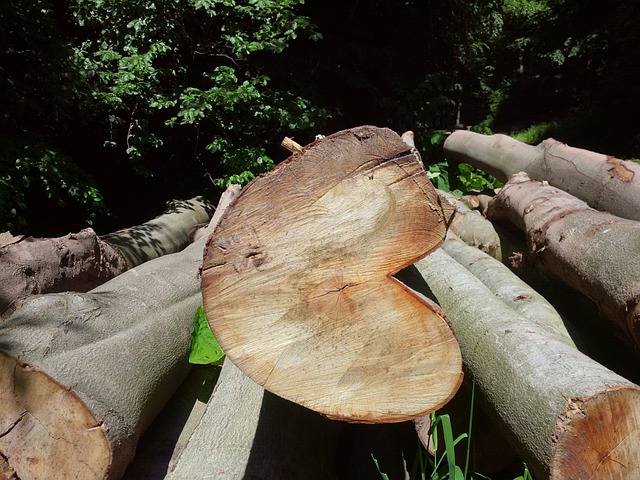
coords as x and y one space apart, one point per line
593 252
167 233
553 402
246 432
81 261
75 262
83 374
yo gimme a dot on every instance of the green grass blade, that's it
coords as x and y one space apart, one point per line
449 445
466 461
383 475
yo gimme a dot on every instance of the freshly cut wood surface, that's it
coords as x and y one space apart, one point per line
604 182
297 281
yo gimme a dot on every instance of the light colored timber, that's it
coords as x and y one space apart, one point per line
297 281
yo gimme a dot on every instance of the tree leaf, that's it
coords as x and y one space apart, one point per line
204 346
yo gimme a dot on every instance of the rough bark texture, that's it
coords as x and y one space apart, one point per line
298 289
82 261
604 182
76 262
246 432
83 374
167 233
587 328
593 252
567 416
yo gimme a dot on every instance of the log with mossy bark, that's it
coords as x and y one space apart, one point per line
593 252
82 261
604 182
566 415
297 281
83 374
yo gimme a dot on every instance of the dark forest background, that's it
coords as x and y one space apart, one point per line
110 108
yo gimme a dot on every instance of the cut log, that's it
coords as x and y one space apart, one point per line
566 415
82 261
168 233
604 182
246 432
76 262
83 374
587 328
593 252
166 438
297 281
473 227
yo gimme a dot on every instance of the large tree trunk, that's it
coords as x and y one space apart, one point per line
604 182
161 445
246 432
297 281
167 233
82 261
507 243
593 252
76 262
83 374
567 416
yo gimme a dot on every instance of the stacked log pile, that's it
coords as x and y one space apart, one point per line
82 375
82 261
567 415
300 280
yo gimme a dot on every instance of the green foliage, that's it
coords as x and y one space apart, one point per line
535 133
89 84
443 464
40 96
204 346
195 73
169 89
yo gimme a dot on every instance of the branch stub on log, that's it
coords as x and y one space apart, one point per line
297 281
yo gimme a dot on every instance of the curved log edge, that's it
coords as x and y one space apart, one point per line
297 281
32 402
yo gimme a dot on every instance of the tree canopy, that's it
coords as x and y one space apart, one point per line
110 108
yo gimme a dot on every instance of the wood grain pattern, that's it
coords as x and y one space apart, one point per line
297 281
